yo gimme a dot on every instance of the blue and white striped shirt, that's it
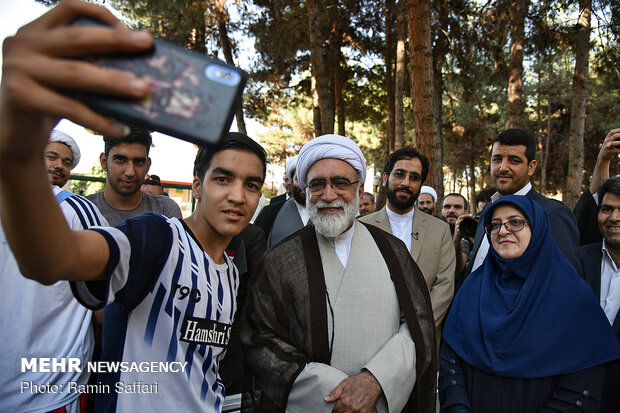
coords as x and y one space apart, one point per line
179 306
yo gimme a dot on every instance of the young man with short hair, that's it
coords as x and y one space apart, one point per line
126 162
173 275
513 162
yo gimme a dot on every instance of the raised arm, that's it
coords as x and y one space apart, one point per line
609 149
38 61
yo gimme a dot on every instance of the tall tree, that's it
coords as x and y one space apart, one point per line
222 19
336 64
440 49
319 67
578 107
389 79
188 23
421 73
515 106
399 81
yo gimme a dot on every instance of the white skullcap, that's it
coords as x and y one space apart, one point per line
429 190
330 146
58 136
291 166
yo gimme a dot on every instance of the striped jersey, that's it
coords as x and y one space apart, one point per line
43 321
176 305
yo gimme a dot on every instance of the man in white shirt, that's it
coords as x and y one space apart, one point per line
45 321
427 238
601 269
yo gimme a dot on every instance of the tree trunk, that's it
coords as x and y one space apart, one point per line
319 69
399 81
574 183
335 64
316 109
421 73
545 154
339 100
389 80
539 125
515 106
440 50
222 20
227 49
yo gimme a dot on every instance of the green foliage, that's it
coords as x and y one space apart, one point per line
288 129
187 23
474 75
86 187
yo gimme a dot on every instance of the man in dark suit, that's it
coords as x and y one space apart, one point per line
513 162
601 269
279 220
587 207
288 185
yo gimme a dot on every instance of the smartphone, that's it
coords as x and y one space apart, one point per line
193 97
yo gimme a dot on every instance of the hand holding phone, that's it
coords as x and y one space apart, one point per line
193 97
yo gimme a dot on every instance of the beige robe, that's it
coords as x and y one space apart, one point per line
433 250
368 331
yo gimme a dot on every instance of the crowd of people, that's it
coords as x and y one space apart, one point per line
324 304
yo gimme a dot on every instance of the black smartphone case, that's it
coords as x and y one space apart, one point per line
193 97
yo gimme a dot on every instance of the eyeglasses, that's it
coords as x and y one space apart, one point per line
340 185
512 225
401 175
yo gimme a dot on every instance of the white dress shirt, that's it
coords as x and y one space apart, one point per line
342 245
610 286
401 225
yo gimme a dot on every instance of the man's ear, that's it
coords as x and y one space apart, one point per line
531 168
196 186
103 161
148 165
385 176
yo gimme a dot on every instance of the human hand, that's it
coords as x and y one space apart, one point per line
611 146
358 393
41 59
457 229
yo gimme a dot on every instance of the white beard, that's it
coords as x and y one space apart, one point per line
332 225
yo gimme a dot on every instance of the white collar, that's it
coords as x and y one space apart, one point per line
342 244
607 255
522 191
408 216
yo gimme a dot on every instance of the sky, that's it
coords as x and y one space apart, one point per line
16 13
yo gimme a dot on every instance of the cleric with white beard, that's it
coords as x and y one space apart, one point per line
339 316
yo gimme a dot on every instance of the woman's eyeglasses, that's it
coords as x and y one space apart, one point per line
512 225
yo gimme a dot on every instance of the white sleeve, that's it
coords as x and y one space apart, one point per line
394 368
312 385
